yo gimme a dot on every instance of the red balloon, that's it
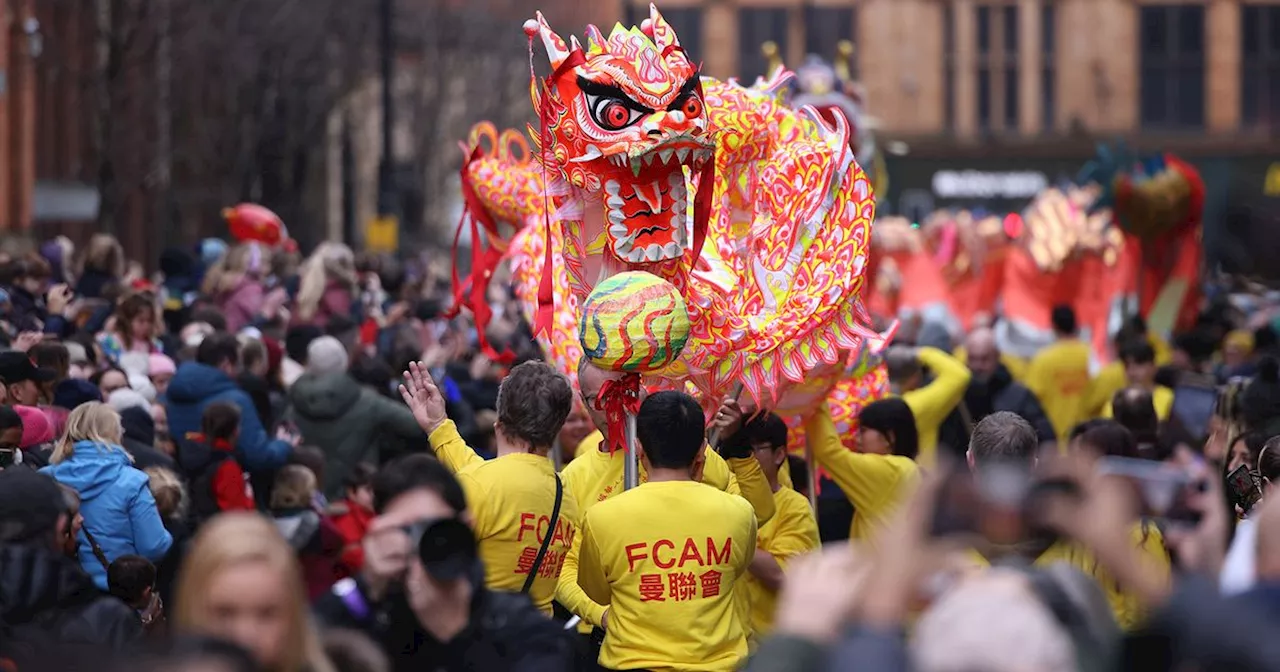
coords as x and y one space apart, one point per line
252 223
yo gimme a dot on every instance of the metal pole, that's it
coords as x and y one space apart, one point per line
631 474
813 473
388 201
713 441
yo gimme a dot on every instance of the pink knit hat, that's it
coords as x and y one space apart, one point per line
36 427
160 364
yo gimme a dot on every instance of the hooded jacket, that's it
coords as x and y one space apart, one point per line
192 389
46 601
350 422
117 506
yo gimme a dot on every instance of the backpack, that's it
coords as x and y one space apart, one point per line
204 504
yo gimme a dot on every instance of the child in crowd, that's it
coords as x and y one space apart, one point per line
313 458
221 485
311 535
132 580
171 501
352 515
160 368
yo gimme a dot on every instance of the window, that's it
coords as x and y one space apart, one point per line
1172 62
825 28
758 26
1048 76
686 21
997 46
1260 71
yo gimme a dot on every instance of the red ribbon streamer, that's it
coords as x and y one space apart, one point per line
617 398
484 259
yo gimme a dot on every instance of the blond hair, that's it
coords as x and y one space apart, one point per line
169 492
330 261
294 487
94 422
104 254
233 265
240 538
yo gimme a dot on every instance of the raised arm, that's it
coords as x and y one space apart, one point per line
427 405
865 479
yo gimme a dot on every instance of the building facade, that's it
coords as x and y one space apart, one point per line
19 46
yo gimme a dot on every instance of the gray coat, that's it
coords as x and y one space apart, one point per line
350 422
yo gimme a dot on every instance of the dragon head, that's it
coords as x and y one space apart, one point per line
627 115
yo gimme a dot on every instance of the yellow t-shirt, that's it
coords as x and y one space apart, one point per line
1059 377
792 531
1162 397
932 403
875 484
594 477
511 498
1101 389
666 558
1126 607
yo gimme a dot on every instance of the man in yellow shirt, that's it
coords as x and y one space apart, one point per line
1059 374
596 474
792 531
1139 360
667 555
524 522
931 403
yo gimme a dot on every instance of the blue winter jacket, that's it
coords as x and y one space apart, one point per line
117 506
194 387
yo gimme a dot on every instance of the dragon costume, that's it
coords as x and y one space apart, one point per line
757 214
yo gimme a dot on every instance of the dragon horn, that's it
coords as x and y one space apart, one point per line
557 50
658 30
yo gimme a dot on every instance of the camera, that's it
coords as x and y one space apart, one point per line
446 547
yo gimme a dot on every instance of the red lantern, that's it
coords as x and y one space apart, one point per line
252 223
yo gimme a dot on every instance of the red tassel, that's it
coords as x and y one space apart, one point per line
618 397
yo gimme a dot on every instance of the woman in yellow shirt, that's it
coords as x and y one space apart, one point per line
874 478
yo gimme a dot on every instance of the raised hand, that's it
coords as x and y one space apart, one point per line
27 340
422 397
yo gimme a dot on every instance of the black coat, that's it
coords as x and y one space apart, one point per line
999 393
506 634
140 438
48 603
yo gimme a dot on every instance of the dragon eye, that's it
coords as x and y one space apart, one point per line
692 107
611 114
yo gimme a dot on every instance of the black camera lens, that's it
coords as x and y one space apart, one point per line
446 547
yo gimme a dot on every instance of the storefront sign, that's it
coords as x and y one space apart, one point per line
984 184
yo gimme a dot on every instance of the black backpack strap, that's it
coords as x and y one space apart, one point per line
546 540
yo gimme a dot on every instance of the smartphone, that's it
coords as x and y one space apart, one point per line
8 458
1164 489
1244 489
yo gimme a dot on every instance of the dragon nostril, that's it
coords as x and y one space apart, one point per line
655 132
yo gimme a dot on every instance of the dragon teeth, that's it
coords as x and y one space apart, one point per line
666 155
682 154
